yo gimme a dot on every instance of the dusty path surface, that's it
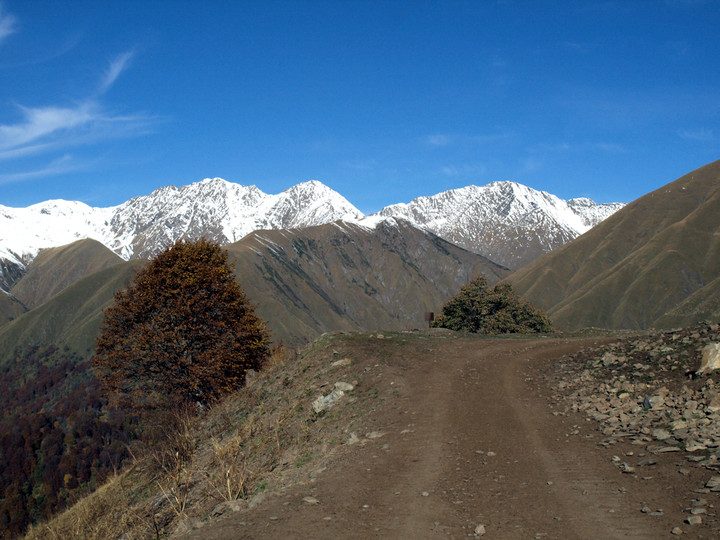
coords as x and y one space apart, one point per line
467 445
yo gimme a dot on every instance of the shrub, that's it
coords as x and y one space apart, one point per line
479 309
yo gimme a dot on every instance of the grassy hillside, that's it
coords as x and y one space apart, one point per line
54 269
639 264
71 318
10 308
345 277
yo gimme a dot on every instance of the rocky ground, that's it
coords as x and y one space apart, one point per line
497 438
652 406
440 435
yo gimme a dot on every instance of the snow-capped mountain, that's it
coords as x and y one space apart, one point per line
143 226
221 211
506 222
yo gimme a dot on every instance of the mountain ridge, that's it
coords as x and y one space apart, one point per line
494 222
514 223
655 263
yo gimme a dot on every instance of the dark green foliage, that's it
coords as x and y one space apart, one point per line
183 332
479 309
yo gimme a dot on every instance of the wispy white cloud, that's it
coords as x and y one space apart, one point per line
116 67
557 147
544 148
463 171
361 164
577 47
609 147
52 128
531 164
61 165
439 140
7 25
38 123
702 134
487 138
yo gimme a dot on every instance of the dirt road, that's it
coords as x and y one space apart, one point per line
467 445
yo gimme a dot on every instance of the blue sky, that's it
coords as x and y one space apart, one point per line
382 101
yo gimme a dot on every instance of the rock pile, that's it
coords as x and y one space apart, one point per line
658 391
648 389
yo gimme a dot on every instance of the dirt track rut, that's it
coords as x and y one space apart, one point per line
470 438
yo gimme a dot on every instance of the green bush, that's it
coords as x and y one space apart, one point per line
479 309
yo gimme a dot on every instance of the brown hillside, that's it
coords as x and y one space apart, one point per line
303 281
639 264
346 277
10 307
71 318
703 304
54 269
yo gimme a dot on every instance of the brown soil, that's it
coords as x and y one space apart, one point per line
466 435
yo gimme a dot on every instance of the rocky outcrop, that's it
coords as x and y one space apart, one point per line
710 358
648 389
323 403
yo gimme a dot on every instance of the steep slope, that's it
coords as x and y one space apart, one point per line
10 307
505 221
54 269
69 319
344 276
639 264
12 269
702 305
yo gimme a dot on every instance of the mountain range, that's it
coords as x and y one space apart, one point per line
509 223
338 276
506 222
312 262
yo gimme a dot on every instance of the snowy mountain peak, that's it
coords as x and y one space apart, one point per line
507 222
309 185
142 226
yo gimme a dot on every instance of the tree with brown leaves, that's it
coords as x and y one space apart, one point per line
182 332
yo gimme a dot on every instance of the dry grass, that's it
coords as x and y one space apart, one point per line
260 439
109 512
